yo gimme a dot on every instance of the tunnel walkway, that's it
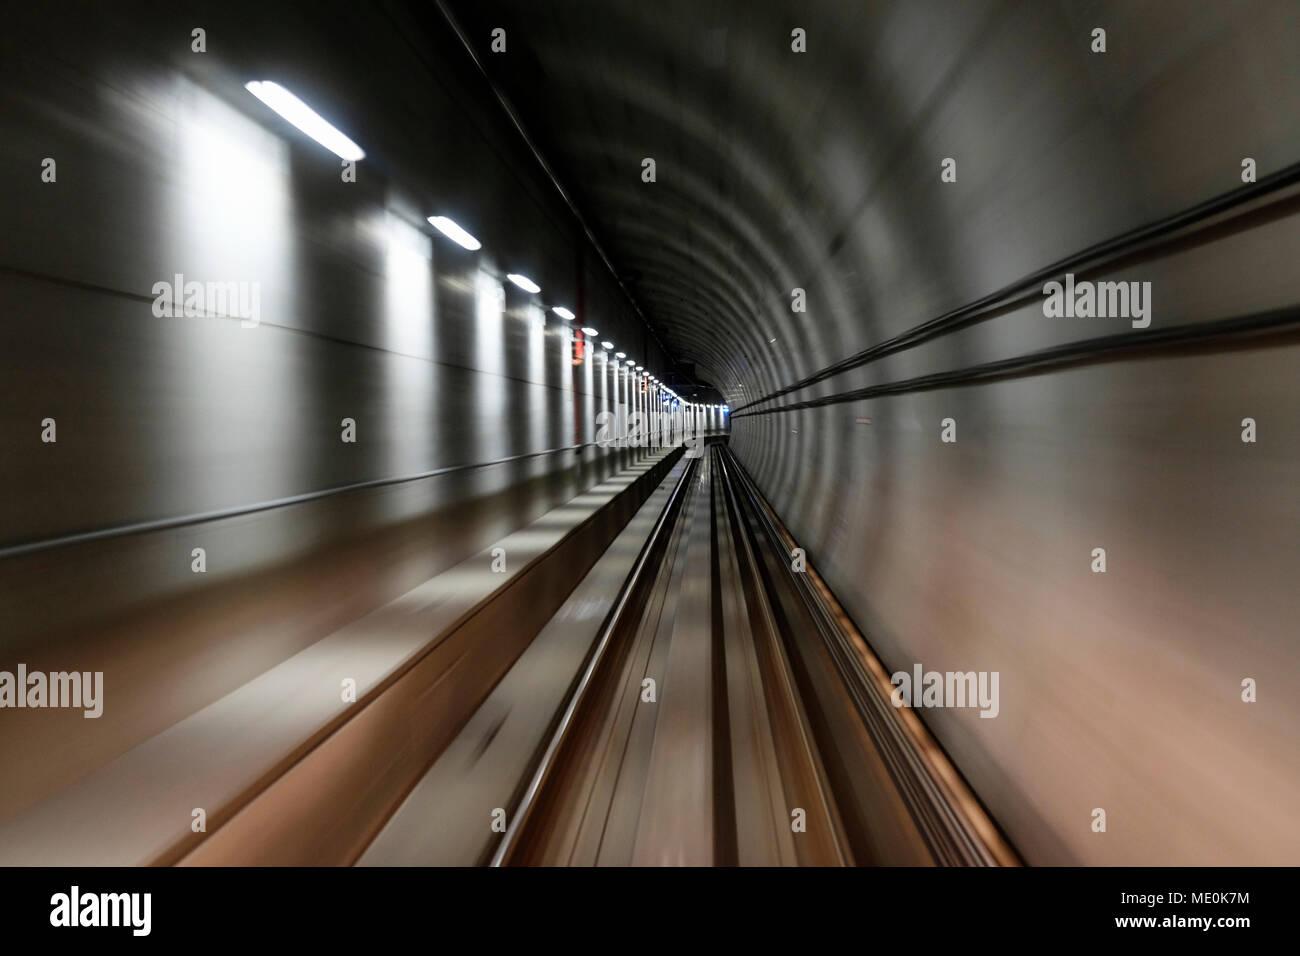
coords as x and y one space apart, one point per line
650 674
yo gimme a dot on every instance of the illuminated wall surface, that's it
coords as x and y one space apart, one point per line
1102 508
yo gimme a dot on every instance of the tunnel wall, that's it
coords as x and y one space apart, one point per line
1119 690
202 431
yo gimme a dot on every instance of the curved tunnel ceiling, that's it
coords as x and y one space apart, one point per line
741 211
820 170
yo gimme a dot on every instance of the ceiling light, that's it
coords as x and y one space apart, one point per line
525 283
563 313
455 233
305 118
589 331
606 345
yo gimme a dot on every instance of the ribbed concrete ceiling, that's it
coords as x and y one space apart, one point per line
744 133
821 170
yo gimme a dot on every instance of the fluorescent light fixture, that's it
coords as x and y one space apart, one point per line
564 313
637 367
455 233
606 345
589 331
525 283
620 355
305 118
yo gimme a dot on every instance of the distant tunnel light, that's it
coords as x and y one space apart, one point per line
620 355
588 331
455 233
305 118
564 313
525 283
606 345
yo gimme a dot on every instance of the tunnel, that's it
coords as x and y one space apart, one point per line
481 433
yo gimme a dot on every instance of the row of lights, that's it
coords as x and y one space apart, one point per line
322 131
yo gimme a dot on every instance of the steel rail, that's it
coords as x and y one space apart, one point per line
952 821
528 802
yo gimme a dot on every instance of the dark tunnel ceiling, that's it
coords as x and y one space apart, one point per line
712 249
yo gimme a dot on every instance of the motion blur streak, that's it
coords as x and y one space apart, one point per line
364 537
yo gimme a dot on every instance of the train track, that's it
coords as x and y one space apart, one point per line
726 713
